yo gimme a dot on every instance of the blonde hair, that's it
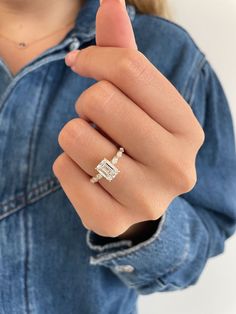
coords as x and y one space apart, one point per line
154 7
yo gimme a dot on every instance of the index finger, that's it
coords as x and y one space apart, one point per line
140 80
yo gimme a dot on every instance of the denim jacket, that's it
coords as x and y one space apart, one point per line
49 262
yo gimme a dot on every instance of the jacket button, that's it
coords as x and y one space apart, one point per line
75 44
124 268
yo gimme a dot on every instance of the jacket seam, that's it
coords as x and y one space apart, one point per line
26 263
117 256
124 253
15 203
196 80
31 153
29 69
191 83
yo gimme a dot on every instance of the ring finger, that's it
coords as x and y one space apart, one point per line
87 147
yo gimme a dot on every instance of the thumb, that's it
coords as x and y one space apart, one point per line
113 25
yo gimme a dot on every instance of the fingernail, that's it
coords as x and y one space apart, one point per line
121 1
71 57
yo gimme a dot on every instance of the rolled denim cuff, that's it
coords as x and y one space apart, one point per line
142 265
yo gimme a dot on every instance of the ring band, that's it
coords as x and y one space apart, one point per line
107 169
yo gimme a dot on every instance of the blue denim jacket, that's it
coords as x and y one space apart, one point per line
49 262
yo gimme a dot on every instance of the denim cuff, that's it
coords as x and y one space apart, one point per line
142 265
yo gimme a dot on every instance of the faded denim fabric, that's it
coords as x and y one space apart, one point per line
50 263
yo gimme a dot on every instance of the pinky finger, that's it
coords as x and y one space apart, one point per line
98 210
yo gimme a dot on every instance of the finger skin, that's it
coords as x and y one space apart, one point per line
113 26
127 124
92 203
85 146
141 81
116 59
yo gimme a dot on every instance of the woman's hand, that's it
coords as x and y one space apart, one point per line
133 106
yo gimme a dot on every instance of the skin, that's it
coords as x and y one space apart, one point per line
42 17
27 20
133 106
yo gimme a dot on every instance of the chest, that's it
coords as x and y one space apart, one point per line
17 58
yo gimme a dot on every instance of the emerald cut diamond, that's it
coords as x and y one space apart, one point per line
107 169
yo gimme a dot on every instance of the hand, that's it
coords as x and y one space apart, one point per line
134 106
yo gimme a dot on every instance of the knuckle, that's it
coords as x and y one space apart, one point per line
182 171
188 180
105 92
115 230
78 105
68 128
59 164
197 136
86 99
86 225
135 65
105 86
75 129
94 99
151 212
201 136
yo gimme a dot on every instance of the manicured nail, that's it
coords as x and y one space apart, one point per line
71 57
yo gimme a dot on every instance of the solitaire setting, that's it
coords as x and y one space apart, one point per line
107 169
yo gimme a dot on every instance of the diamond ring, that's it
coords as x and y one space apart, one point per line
107 169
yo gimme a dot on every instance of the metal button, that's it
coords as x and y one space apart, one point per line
75 44
124 268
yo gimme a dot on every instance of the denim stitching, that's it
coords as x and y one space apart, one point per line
49 185
18 202
26 71
190 84
6 69
34 132
196 80
135 249
118 256
106 246
190 77
26 267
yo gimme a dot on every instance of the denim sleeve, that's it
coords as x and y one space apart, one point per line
195 224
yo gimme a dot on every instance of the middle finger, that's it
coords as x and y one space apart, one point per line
141 81
124 122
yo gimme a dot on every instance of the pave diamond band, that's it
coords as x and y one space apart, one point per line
107 168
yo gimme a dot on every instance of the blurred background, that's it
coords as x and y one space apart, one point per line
212 24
